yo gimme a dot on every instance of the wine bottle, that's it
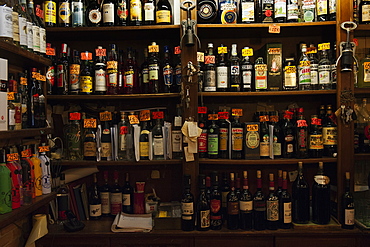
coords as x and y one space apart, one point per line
105 196
115 196
158 140
364 12
222 74
246 205
225 189
62 198
321 197
267 11
301 135
89 142
232 205
259 206
277 145
289 136
144 74
215 198
224 125
163 12
300 198
95 207
154 66
62 71
177 77
203 207
127 196
93 14
213 136
187 206
74 74
35 27
108 12
72 133
28 176
272 206
131 74
285 205
348 207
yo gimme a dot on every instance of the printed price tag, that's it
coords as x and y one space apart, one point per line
301 123
304 63
43 149
324 46
290 69
237 112
50 51
144 115
133 119
311 50
223 115
153 48
274 28
100 52
42 78
74 116
86 55
26 153
105 116
12 157
209 59
23 81
158 114
222 49
202 109
212 116
316 121
247 52
355 41
200 57
252 127
264 118
177 50
366 65
10 95
90 123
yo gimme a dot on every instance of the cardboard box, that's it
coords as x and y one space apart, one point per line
273 56
252 141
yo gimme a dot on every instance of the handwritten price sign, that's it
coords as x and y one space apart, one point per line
237 112
105 116
247 52
43 149
158 114
274 29
90 123
202 109
144 115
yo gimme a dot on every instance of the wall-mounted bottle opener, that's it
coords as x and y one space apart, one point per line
188 25
347 49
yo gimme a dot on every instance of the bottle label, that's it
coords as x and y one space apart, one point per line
246 205
235 70
213 144
116 203
247 12
22 31
304 72
50 10
74 73
145 75
247 78
222 77
265 146
202 142
272 210
233 208
292 10
261 76
314 74
290 76
89 149
77 13
105 202
158 146
42 40
149 11
316 142
329 135
280 8
95 16
287 207
252 139
332 6
205 11
95 210
126 199
215 206
210 81
100 83
259 206
365 13
187 208
106 149
349 217
86 84
205 221
176 137
228 12
224 139
122 10
108 13
153 71
276 147
267 11
144 149
237 139
308 7
129 78
135 10
321 179
123 138
163 16
324 74
168 75
15 26
322 7
64 12
224 198
6 29
36 38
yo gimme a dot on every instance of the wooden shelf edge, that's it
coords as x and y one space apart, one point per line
121 163
18 51
120 96
362 156
268 93
107 29
265 161
24 133
266 25
362 90
7 219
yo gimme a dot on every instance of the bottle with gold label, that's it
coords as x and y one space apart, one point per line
86 77
144 141
64 13
315 146
329 133
50 13
163 12
106 139
136 13
290 74
89 143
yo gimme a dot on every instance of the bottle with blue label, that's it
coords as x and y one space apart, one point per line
228 11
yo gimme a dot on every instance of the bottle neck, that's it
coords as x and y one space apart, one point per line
272 186
245 184
285 184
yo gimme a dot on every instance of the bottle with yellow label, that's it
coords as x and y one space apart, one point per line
86 77
290 74
163 12
363 79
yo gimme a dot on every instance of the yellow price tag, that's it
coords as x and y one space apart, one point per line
324 46
304 63
290 69
311 50
247 52
252 127
23 81
133 119
153 48
274 28
222 49
89 123
366 65
200 57
105 116
10 96
237 112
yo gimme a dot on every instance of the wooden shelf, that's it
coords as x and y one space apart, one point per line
266 25
362 156
121 163
268 93
25 210
363 27
19 56
108 29
113 97
362 90
23 133
265 161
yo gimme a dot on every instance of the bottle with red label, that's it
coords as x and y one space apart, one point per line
86 76
62 71
131 74
51 70
215 199
315 139
301 129
112 70
202 139
224 124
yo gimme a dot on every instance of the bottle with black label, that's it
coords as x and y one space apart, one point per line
127 196
267 11
321 197
86 77
176 135
206 11
106 140
93 15
324 70
105 195
89 143
246 71
234 71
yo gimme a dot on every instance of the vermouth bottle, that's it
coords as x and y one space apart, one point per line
300 198
259 206
187 207
203 206
95 207
321 197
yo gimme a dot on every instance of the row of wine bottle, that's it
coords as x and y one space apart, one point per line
227 203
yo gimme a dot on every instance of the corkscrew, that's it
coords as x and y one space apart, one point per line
347 48
188 25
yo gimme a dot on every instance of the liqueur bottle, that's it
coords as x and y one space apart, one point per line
95 206
272 206
122 12
289 136
301 136
149 12
304 70
125 139
315 147
280 10
5 185
154 69
163 12
203 138
225 189
106 138
292 10
236 139
50 13
224 125
108 12
93 14
264 136
260 75
246 71
62 198
222 74
100 84
62 71
228 12
203 206
321 197
290 74
131 71
77 12
322 10
144 76
176 135
324 70
187 207
314 64
73 138
267 11
277 144
329 134
232 205
259 206
364 13
234 71
112 70
167 71
135 13
74 74
144 141
158 140
89 142
300 198
64 13
209 70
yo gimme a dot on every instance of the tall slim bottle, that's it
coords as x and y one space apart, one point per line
285 205
322 10
314 64
167 71
95 201
112 70
329 134
5 186
89 142
176 135
304 70
301 136
232 205
104 191
213 137
209 70
154 69
324 70
62 198
321 197
260 75
127 196
106 139
222 70
158 140
62 71
234 63
259 205
246 71
224 126
74 74
272 206
246 205
236 139
187 206
280 10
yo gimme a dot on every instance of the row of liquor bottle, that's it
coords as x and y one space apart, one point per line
26 99
25 173
229 203
111 73
22 24
222 72
269 136
265 11
125 136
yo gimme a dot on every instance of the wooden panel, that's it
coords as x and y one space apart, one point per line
164 241
252 241
315 241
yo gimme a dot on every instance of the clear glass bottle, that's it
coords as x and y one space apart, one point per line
324 70
234 71
304 70
246 68
290 74
260 75
78 11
